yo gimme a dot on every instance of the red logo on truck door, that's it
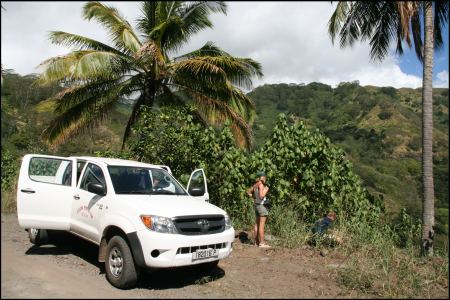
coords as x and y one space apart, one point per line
84 212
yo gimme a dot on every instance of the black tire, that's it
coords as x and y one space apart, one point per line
119 264
38 236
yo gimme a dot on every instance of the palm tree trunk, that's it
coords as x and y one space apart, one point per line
427 134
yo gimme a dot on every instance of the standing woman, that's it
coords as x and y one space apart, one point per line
259 191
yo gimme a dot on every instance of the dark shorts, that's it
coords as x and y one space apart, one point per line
261 210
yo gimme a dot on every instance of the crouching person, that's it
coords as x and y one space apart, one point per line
322 231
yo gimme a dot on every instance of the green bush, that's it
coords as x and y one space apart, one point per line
10 169
306 173
384 115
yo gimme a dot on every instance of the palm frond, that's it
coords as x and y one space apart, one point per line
76 94
337 18
440 20
183 21
201 70
82 65
217 112
406 10
79 116
209 49
383 22
239 71
120 30
79 42
243 105
384 33
147 22
416 28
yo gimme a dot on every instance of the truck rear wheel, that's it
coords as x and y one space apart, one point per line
119 264
37 236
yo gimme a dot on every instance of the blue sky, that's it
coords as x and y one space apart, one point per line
409 63
289 39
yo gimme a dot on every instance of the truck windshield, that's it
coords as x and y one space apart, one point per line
139 180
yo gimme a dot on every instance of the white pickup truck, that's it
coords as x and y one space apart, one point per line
138 214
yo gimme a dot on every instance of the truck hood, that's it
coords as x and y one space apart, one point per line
169 205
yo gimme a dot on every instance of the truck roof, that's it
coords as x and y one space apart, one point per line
118 162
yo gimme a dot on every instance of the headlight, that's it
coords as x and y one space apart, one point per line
227 222
158 224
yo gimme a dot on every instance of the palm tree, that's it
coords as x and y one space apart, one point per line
382 22
97 75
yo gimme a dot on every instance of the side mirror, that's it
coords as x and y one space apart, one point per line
96 188
196 192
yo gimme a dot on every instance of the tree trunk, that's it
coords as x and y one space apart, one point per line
427 133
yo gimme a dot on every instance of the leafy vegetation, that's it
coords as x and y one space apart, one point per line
385 152
306 172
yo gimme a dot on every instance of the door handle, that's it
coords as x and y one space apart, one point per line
28 191
76 197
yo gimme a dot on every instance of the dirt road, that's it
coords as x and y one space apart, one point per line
67 268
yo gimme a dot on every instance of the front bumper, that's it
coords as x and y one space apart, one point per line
173 249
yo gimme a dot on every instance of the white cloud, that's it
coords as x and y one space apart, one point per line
289 39
442 79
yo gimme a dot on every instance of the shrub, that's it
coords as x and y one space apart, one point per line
306 173
384 115
10 167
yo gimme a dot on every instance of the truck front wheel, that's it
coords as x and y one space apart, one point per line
37 236
119 264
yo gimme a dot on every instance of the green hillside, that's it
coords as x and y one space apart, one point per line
378 127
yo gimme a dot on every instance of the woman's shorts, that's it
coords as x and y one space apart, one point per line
261 210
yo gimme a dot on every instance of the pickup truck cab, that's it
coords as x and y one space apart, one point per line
138 214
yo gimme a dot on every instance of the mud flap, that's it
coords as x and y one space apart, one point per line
136 249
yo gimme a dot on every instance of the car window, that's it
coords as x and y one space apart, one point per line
67 176
93 174
139 180
50 170
80 166
197 182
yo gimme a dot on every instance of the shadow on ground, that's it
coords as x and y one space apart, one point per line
244 238
63 243
178 277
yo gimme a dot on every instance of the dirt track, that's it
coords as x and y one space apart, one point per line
67 268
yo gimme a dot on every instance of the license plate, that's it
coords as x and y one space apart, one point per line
205 253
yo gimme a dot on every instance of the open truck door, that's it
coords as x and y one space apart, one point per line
45 192
197 186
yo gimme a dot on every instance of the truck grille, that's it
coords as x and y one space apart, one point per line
185 250
198 225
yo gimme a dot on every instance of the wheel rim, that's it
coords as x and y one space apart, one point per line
34 232
115 262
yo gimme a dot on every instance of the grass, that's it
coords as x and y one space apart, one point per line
8 201
375 265
283 223
204 280
378 266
